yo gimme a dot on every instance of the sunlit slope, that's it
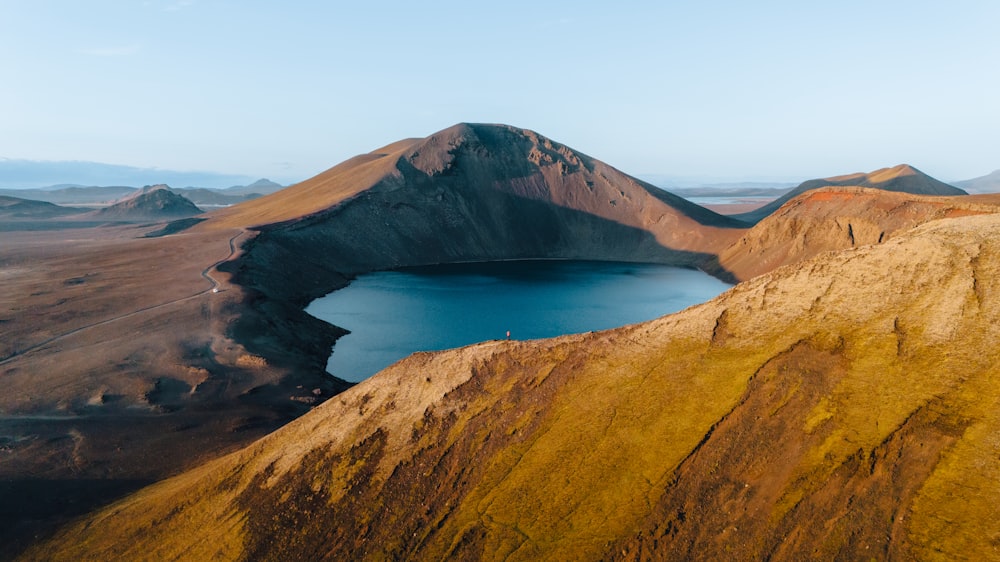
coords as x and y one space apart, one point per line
321 192
843 407
902 178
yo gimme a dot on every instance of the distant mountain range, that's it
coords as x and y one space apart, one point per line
97 195
990 183
733 190
20 174
677 184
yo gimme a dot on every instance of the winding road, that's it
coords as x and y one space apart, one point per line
206 273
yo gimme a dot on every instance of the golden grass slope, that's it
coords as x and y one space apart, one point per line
844 407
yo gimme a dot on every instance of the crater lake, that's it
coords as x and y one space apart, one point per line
392 314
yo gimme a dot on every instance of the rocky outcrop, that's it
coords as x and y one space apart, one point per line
843 407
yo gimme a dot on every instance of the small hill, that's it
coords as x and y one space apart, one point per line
902 178
156 202
843 408
990 183
17 208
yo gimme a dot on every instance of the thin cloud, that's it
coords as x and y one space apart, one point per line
178 5
119 51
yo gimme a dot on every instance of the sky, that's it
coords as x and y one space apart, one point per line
729 90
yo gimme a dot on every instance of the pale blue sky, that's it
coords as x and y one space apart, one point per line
733 89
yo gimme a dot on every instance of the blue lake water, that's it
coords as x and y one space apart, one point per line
392 314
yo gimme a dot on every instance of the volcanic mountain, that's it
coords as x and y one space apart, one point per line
844 407
903 178
157 202
480 192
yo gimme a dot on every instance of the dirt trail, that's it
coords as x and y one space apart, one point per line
206 273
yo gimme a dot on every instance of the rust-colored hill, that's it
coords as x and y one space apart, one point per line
834 218
841 408
902 178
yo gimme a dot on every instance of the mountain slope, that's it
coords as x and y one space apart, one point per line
901 178
845 407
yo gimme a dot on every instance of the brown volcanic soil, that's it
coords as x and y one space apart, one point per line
841 408
118 369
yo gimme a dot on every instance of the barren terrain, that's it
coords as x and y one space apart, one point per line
134 352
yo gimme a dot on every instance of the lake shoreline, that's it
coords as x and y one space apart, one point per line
392 313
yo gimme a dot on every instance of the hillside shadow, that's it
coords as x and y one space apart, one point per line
32 509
